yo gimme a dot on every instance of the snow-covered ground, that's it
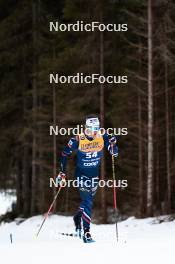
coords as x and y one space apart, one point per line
140 241
6 200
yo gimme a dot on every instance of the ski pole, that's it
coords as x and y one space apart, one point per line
114 192
50 208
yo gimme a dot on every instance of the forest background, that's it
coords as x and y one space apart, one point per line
29 156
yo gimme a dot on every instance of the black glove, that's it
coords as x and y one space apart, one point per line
112 140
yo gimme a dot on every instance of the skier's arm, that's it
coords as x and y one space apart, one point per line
110 144
70 147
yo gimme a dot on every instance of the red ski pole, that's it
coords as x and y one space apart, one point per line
50 208
114 193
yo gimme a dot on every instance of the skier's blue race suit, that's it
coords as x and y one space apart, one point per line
89 153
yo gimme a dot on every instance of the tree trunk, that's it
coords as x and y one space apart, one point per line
167 132
103 194
157 180
150 112
25 152
54 137
140 144
25 183
20 204
34 111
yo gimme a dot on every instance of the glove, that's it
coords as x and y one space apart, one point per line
112 140
61 178
113 148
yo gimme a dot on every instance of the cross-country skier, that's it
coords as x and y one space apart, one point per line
89 148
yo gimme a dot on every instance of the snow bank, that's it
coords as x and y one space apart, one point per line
140 241
6 200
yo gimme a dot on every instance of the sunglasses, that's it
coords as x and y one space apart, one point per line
93 128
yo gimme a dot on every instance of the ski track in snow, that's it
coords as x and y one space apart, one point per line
140 242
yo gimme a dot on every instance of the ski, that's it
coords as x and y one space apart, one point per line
78 235
68 234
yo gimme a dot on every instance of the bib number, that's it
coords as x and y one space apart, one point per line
90 155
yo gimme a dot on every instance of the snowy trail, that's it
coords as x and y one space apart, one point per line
140 241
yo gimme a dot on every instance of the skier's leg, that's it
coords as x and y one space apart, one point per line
87 198
78 215
77 219
87 202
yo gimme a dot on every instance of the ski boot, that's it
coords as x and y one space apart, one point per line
77 222
87 237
